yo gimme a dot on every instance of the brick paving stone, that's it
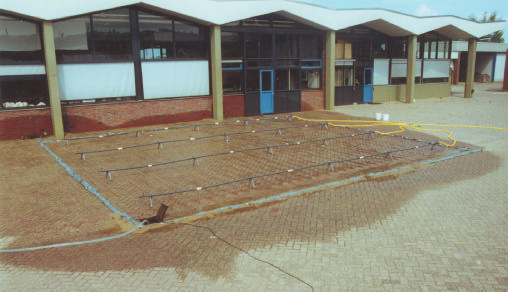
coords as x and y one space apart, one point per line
441 227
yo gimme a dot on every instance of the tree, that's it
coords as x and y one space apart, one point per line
495 37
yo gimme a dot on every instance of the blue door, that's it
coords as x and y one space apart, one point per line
367 85
266 91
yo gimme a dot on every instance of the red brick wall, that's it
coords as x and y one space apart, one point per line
25 123
234 106
313 100
81 118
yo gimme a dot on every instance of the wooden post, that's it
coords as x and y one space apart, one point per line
216 62
411 69
330 70
505 80
52 76
471 63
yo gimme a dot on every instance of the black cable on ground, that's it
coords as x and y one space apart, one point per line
250 255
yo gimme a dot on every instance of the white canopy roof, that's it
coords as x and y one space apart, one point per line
221 12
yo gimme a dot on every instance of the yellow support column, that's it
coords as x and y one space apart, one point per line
411 69
216 62
330 70
52 76
471 63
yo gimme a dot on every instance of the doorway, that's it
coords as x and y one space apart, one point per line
266 91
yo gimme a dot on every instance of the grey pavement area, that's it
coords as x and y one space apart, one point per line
441 227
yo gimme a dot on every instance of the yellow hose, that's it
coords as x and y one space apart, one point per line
402 127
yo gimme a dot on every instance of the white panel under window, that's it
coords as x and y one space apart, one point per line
418 68
399 68
175 78
10 70
436 68
499 67
381 71
90 81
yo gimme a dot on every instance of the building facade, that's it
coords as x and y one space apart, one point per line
103 66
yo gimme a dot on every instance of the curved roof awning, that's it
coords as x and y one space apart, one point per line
212 12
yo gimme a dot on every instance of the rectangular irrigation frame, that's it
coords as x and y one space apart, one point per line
128 218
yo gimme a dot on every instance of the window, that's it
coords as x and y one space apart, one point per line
312 46
344 76
231 45
311 79
286 79
232 81
311 73
258 45
20 42
286 45
156 35
399 48
190 41
111 35
102 36
24 91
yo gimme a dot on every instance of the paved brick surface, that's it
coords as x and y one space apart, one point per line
442 227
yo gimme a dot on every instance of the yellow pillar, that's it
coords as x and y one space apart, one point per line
216 63
330 70
411 69
471 63
52 76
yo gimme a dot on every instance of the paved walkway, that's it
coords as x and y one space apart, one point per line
442 227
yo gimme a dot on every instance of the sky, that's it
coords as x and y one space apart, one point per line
461 8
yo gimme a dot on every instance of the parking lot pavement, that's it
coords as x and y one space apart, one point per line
439 227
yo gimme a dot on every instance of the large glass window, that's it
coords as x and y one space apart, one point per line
20 44
111 35
190 41
20 41
231 45
312 47
232 81
286 46
156 35
24 91
258 45
286 79
102 36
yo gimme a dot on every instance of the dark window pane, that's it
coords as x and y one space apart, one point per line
73 40
24 91
252 80
232 81
286 79
190 41
111 34
259 45
156 35
266 81
281 46
231 45
20 41
312 47
379 48
399 49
